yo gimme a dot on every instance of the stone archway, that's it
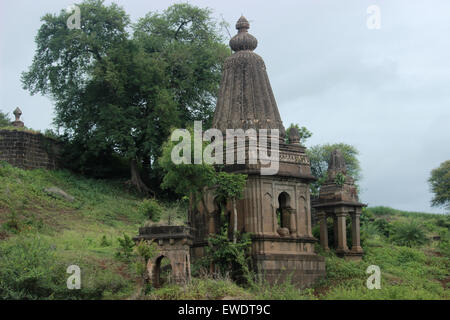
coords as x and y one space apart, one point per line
162 271
173 244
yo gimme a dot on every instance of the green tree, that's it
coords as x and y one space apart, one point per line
230 187
305 134
319 156
185 179
4 120
189 179
120 92
440 185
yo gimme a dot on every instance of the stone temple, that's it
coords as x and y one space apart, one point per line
276 209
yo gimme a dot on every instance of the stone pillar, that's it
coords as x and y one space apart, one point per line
341 231
322 216
292 221
335 231
356 238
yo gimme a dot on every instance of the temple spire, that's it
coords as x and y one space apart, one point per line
245 97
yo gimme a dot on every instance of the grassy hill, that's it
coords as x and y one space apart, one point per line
42 233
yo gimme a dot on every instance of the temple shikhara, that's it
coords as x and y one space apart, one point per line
275 209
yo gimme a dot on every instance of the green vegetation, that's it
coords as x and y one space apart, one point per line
40 236
118 86
319 156
5 121
304 133
440 185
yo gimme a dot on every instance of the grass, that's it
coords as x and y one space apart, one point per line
40 236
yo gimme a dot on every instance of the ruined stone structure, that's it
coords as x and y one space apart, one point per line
174 244
27 149
276 209
338 199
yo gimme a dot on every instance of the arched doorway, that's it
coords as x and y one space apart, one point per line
163 272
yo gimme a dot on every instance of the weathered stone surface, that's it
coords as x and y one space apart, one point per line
59 193
339 199
245 98
28 150
246 101
174 244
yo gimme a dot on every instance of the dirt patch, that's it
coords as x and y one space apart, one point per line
445 283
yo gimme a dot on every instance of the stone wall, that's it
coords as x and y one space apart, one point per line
29 150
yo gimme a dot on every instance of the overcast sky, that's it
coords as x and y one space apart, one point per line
385 91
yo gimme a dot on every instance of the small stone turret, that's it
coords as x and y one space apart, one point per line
338 199
294 136
18 123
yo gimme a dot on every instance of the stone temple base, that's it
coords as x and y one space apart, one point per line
350 255
302 269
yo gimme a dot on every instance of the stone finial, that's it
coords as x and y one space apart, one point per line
294 136
17 113
243 40
337 162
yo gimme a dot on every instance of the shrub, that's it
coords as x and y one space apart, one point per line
145 250
30 270
27 270
104 242
408 234
151 209
125 249
383 226
227 256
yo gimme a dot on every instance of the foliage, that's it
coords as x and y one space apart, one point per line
319 156
151 209
120 92
29 270
104 242
304 133
186 179
384 227
283 290
408 234
440 185
144 250
190 179
229 186
227 256
339 179
126 247
201 289
5 121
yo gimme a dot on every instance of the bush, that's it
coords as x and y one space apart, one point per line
151 209
228 256
383 226
125 249
408 234
30 270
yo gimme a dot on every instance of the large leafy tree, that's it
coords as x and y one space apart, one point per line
119 87
440 185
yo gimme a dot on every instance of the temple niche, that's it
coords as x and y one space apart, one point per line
276 209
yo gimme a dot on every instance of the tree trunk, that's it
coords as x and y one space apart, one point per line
136 178
235 221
